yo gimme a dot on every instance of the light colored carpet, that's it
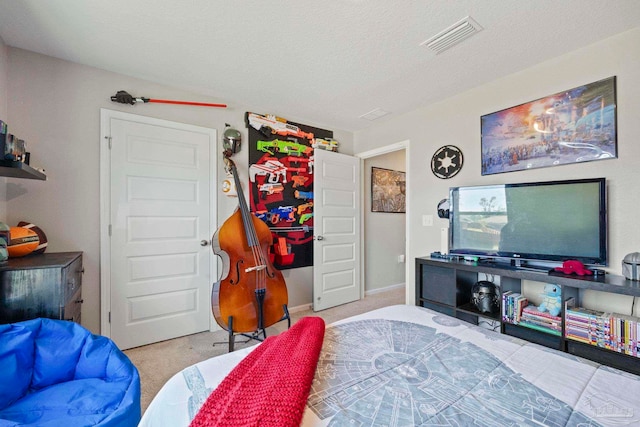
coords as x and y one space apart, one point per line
158 362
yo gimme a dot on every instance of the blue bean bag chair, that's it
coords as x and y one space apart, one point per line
56 373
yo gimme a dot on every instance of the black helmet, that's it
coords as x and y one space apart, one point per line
485 296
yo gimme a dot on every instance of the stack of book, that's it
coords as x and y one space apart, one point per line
625 335
581 324
613 331
512 305
541 320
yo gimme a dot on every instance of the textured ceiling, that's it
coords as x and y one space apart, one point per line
328 62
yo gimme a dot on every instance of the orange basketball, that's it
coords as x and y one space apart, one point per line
22 241
42 245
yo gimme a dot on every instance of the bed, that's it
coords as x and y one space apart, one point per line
409 366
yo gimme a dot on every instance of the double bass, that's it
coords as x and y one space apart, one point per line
251 294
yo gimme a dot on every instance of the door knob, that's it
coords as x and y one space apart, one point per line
319 238
204 242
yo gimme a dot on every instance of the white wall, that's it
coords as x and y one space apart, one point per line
55 106
457 121
384 233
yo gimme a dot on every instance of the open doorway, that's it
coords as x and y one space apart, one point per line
384 243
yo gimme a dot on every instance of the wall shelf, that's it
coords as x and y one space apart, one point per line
13 169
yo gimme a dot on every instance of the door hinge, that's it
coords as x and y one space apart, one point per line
109 139
109 317
109 230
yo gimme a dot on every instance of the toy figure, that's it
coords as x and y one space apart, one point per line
551 299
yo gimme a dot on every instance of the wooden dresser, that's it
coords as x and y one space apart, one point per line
43 285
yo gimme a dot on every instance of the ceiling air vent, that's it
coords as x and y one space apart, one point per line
453 35
374 114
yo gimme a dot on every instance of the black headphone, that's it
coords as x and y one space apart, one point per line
443 208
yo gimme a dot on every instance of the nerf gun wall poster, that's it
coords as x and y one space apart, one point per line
281 183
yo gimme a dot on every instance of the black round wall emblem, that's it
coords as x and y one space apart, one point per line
446 162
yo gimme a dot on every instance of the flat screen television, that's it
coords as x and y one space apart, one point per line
541 221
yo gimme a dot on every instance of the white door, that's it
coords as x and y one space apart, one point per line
161 220
336 229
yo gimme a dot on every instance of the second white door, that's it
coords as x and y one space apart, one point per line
336 248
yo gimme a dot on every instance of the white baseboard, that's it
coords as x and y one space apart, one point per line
298 308
371 292
385 289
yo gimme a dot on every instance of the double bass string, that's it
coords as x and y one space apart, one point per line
252 237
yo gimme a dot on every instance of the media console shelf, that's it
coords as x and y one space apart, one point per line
444 285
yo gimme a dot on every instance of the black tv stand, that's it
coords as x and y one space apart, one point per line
445 285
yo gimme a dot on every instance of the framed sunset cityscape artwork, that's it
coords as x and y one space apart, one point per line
576 125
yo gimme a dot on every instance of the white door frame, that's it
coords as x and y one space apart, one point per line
402 145
105 209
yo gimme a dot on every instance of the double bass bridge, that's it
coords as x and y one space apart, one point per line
255 268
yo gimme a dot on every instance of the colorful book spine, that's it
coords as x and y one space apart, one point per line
512 305
505 310
613 331
550 325
522 303
541 328
550 319
534 311
512 299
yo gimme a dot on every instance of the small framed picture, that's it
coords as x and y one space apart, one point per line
387 190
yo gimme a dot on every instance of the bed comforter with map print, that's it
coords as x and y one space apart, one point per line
410 366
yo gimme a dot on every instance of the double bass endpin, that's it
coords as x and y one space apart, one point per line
256 268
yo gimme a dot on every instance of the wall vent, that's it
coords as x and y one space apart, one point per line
453 35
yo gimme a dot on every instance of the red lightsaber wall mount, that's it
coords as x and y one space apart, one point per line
124 97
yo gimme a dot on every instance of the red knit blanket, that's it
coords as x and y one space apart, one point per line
271 385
